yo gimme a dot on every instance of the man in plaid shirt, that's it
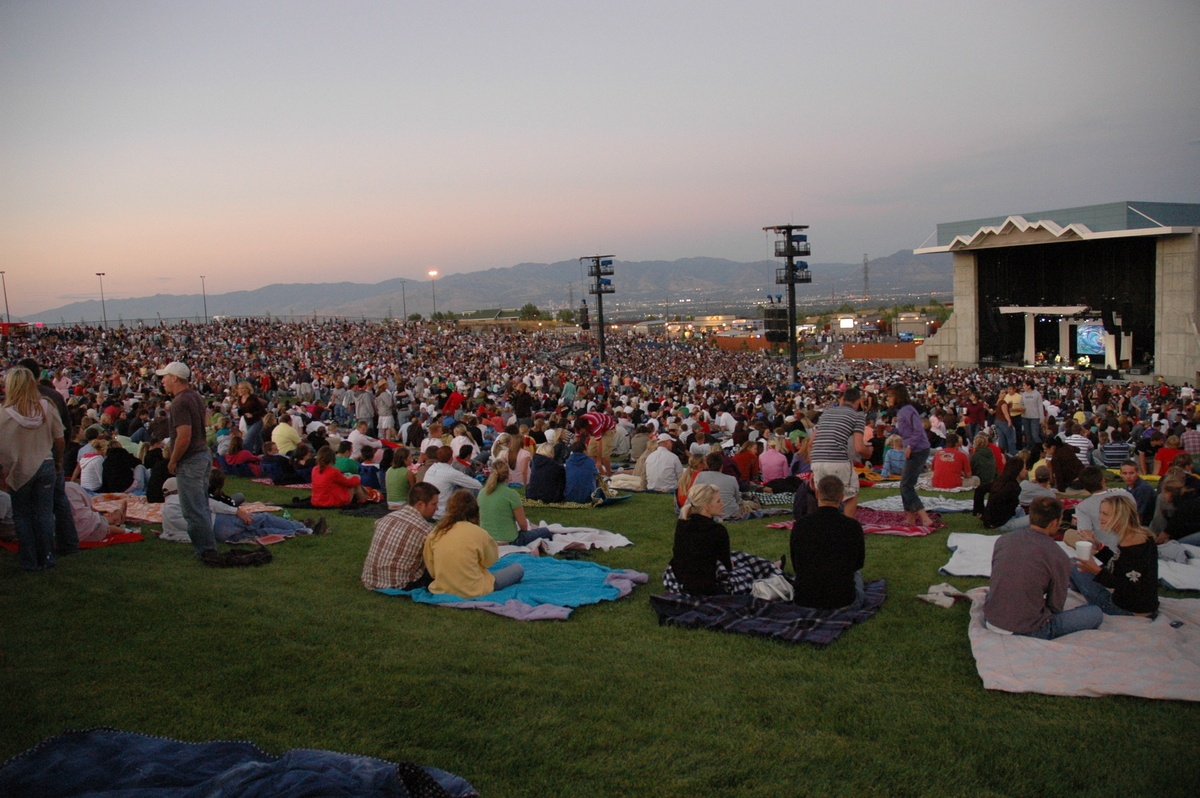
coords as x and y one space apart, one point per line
394 559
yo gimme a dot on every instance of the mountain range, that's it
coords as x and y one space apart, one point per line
640 287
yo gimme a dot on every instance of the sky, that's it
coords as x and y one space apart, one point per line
257 142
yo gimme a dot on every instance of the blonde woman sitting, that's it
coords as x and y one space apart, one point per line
458 552
702 563
1127 582
501 511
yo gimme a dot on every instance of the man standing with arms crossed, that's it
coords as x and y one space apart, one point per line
191 461
840 428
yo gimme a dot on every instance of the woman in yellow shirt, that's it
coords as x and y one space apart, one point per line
458 552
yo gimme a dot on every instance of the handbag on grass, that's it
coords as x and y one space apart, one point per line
773 588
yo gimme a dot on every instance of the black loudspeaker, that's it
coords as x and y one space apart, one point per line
775 319
1110 324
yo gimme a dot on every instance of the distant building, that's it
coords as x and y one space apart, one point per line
1116 283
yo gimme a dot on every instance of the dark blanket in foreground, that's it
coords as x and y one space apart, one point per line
111 763
777 619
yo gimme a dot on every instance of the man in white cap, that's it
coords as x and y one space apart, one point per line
663 468
191 461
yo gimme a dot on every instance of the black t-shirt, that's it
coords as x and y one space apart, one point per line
700 543
827 549
1132 574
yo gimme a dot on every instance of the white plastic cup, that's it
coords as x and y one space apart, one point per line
1083 550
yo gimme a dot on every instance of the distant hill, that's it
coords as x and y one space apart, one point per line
548 286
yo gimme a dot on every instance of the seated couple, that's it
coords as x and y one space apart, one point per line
451 557
827 547
1030 574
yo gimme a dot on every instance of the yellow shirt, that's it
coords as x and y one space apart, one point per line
285 437
458 560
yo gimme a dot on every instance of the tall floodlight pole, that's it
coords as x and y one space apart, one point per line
204 293
433 290
403 300
600 268
103 312
3 281
791 244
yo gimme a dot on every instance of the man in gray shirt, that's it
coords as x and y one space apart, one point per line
726 485
1030 576
1035 412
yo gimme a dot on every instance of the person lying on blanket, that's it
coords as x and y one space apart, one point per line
828 552
702 563
91 525
232 523
1030 574
458 552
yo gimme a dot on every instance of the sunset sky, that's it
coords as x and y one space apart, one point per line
262 142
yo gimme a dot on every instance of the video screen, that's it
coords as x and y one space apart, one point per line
1089 339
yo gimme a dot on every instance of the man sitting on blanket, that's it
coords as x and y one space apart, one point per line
395 559
828 552
1030 575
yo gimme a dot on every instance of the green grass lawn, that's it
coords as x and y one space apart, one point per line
297 654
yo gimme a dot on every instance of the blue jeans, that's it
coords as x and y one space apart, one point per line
913 467
508 576
254 438
1064 623
33 517
192 474
1006 437
228 527
1018 521
1033 432
1096 594
860 593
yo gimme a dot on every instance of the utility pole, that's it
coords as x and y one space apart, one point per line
866 278
600 269
103 312
404 301
7 317
204 293
791 244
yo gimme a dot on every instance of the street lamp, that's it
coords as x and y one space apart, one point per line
103 312
404 300
5 284
433 289
204 293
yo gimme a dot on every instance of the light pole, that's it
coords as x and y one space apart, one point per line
433 290
103 312
3 281
204 293
403 301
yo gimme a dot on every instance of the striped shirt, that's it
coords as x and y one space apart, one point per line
599 423
834 431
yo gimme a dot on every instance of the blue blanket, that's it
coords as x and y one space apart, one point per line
117 764
549 590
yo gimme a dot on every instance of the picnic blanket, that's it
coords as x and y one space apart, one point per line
267 481
933 504
606 501
880 522
550 590
120 537
570 538
108 762
1125 656
780 620
1181 576
924 483
141 511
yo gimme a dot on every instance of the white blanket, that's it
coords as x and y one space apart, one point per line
1125 656
576 538
973 557
924 483
933 504
1180 576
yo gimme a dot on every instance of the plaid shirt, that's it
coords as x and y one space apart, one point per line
394 559
1191 442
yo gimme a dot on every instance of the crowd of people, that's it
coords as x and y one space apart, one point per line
438 421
